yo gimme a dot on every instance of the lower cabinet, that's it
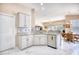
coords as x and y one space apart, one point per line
40 39
36 40
29 40
43 40
24 41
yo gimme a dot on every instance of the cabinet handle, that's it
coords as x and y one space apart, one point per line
52 38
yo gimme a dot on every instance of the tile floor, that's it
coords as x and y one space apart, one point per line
36 50
69 49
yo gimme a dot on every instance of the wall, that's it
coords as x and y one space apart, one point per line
58 22
56 11
40 21
69 19
14 8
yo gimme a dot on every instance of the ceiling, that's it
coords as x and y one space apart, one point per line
49 10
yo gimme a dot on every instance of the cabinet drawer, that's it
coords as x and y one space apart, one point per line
23 42
30 42
40 40
24 45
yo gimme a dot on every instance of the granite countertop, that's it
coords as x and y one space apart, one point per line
40 33
53 32
34 33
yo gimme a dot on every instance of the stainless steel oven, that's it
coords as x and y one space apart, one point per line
51 40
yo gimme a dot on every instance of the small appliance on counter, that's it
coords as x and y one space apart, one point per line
54 39
38 28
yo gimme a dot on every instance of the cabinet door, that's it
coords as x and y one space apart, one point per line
21 19
24 20
28 21
24 42
43 40
30 40
36 40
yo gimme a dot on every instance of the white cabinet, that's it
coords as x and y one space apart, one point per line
30 40
36 40
24 20
22 42
40 40
24 30
21 20
43 40
55 27
25 41
7 31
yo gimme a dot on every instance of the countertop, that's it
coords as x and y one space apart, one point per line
40 33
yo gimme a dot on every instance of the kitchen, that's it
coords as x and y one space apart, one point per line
36 28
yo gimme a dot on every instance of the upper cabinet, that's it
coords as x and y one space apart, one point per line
55 27
23 20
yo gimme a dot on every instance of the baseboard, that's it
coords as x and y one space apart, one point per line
7 49
52 47
40 45
25 48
